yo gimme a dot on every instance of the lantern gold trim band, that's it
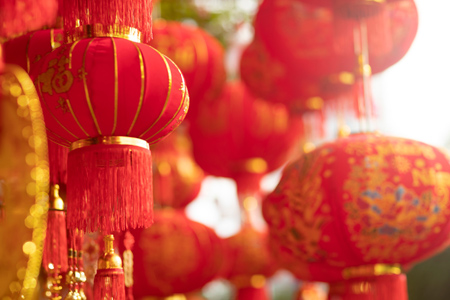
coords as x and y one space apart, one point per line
110 140
100 30
371 270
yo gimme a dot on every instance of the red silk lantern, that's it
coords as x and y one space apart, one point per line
272 80
176 177
20 16
242 137
107 98
323 43
174 256
28 49
248 263
357 209
199 56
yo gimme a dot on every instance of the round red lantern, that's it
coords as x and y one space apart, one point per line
324 41
28 49
18 17
248 263
199 56
174 256
272 80
25 51
358 209
108 98
242 137
176 177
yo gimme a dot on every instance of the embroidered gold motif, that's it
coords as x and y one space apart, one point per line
62 103
387 220
56 79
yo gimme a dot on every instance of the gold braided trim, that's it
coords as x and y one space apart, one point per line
100 30
372 270
110 140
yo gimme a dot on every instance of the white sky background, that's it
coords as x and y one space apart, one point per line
413 96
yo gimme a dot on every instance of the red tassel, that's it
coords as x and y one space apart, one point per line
109 284
57 156
386 287
251 293
131 13
55 246
109 188
248 183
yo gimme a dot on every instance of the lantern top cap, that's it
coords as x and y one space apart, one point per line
99 30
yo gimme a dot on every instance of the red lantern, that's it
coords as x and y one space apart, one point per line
249 263
323 42
174 256
242 137
359 208
107 98
199 56
18 17
272 80
176 177
28 49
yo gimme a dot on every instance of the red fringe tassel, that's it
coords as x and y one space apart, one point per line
109 284
251 293
387 287
55 247
131 13
109 188
57 156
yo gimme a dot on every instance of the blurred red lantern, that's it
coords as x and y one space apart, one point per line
20 16
174 256
176 177
199 56
25 51
248 263
107 98
272 80
28 49
359 208
242 137
324 42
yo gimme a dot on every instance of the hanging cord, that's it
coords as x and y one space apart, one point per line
364 72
